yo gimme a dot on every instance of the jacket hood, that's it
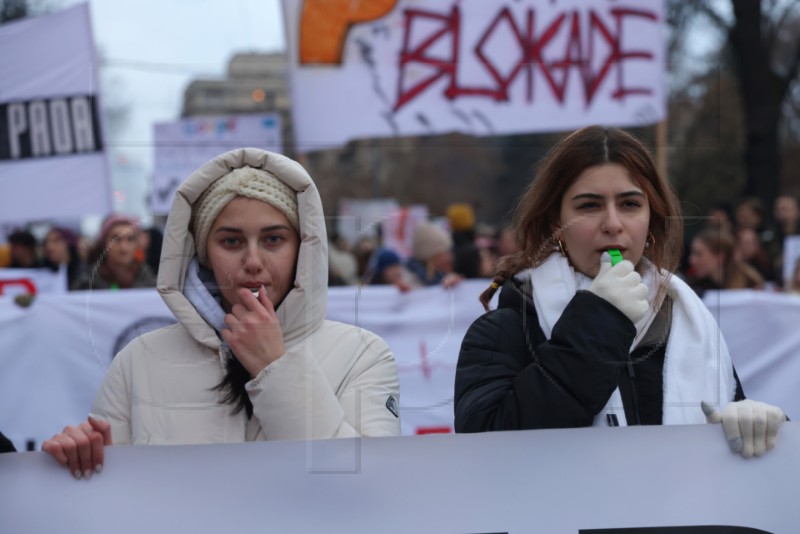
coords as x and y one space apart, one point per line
304 308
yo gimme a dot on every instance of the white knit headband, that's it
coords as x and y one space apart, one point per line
246 182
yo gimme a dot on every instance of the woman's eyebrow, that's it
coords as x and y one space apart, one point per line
271 228
275 227
227 229
595 196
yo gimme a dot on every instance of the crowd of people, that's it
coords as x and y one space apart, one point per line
122 255
575 340
731 249
736 249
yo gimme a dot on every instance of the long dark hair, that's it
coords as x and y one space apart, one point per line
232 387
536 217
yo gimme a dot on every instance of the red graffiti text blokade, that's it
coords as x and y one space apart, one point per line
587 36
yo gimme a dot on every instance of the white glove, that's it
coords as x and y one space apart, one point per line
750 426
622 286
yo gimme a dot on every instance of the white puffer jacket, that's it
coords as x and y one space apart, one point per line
335 380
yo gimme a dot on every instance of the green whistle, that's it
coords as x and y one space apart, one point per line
616 256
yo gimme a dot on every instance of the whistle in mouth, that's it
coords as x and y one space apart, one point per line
616 256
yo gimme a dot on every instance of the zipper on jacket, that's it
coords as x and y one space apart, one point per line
634 392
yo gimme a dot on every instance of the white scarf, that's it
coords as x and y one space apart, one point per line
697 366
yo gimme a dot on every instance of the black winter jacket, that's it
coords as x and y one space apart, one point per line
510 377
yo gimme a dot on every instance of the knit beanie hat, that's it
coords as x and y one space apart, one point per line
246 182
429 240
385 259
461 217
113 220
66 234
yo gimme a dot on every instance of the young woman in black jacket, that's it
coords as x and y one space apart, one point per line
576 341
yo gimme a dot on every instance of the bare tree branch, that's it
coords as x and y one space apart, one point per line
777 27
716 18
791 73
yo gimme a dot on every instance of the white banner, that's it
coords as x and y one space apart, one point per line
665 480
183 146
32 282
52 163
357 218
791 257
55 352
416 67
761 330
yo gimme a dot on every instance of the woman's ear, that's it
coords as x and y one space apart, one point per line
557 231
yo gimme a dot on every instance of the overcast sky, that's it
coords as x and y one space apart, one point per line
152 49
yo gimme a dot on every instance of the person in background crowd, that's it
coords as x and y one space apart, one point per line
720 216
461 218
386 268
6 445
5 255
505 242
253 358
61 249
576 341
113 263
466 256
750 214
151 240
787 215
23 250
714 265
787 223
503 245
487 247
793 284
749 249
342 265
363 249
432 257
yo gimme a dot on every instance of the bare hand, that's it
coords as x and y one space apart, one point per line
451 280
254 332
402 286
80 448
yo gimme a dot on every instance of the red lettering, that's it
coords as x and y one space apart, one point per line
422 430
446 67
501 92
579 54
619 14
24 282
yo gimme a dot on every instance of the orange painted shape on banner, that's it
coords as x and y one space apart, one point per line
324 25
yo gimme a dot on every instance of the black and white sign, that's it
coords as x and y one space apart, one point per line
52 160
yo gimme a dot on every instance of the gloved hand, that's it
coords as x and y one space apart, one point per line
750 426
622 286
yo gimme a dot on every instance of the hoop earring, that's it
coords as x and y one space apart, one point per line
562 248
650 241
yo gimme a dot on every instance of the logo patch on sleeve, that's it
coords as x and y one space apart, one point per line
391 405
